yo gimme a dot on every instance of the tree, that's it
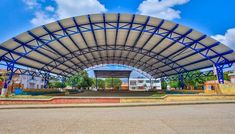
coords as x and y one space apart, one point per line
164 85
80 80
195 81
100 83
113 82
174 84
57 84
1 79
74 81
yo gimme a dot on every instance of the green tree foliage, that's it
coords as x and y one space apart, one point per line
100 84
174 84
192 82
1 79
57 84
164 84
195 82
113 82
80 80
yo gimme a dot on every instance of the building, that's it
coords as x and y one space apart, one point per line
124 87
27 81
232 77
143 84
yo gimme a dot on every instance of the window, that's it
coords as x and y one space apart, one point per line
147 81
132 82
156 81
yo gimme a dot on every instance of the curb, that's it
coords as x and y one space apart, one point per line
48 106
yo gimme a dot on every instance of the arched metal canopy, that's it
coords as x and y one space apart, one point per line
156 46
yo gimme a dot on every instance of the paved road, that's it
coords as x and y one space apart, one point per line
188 119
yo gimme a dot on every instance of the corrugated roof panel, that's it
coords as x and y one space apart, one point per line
67 22
38 31
57 46
140 19
221 48
132 37
152 42
142 39
168 25
111 37
48 52
100 37
39 57
195 35
181 29
24 37
79 41
208 41
154 21
125 17
121 37
89 39
10 44
2 52
71 46
53 26
88 58
82 20
96 17
30 63
111 17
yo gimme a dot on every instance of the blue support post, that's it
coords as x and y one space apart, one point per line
46 80
220 74
181 80
10 72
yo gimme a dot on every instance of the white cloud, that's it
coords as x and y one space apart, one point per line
64 9
69 8
41 18
31 4
161 8
227 39
50 8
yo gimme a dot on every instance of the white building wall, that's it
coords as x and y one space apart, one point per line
141 84
28 82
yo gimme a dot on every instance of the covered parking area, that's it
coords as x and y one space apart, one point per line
158 47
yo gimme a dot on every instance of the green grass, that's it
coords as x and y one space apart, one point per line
27 97
158 95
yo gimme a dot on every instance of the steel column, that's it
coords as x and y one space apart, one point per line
10 72
181 80
46 80
96 84
219 74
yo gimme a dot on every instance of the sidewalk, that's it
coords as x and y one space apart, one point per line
106 105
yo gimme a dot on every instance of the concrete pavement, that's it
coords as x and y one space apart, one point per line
105 105
183 119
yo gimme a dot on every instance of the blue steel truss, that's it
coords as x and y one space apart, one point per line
165 34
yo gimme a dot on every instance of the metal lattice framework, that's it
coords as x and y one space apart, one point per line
158 47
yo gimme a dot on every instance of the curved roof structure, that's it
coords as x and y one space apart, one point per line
156 46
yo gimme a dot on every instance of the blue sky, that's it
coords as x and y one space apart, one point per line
209 16
213 17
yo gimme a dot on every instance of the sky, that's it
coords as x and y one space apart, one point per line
215 18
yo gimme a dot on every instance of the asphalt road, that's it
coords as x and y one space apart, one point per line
187 119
